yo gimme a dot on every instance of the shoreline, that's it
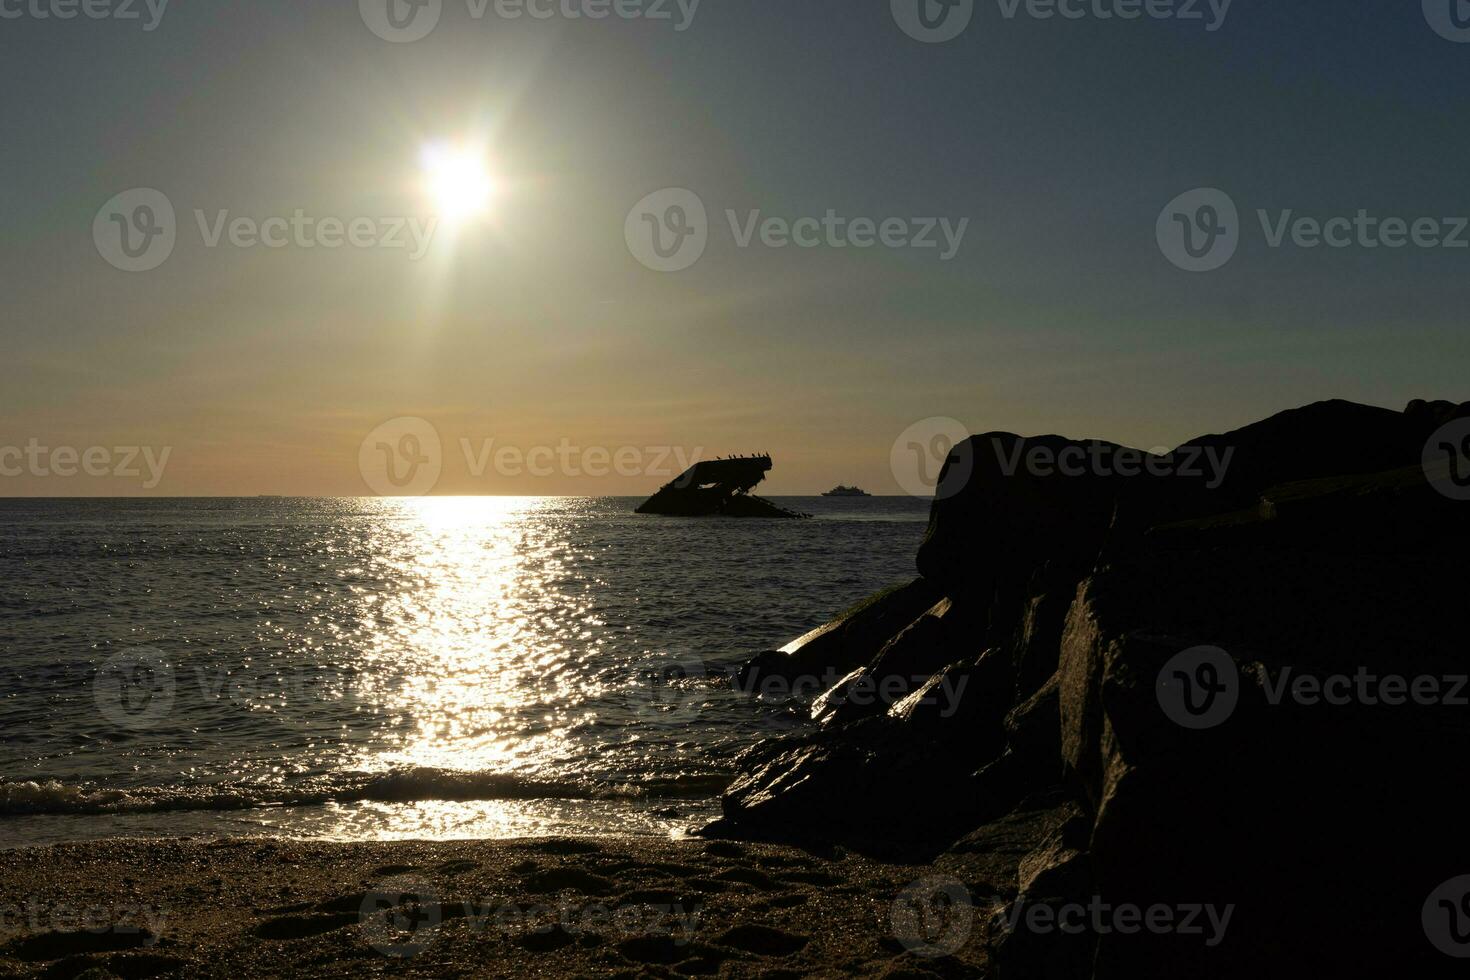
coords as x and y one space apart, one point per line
427 821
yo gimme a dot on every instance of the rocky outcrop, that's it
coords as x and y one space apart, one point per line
1227 678
717 488
850 641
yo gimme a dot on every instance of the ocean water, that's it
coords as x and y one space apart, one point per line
366 669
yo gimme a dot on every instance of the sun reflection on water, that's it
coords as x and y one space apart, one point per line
426 667
476 643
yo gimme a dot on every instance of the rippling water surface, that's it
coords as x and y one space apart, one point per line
368 669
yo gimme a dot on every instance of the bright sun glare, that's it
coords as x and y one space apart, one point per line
458 180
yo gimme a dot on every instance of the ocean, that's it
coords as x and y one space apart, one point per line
376 669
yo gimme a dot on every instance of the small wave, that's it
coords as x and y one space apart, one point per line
19 798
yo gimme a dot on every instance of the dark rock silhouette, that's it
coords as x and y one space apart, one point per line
717 487
1102 669
852 640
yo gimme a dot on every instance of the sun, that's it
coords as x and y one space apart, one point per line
458 181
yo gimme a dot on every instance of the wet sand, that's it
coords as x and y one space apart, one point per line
607 907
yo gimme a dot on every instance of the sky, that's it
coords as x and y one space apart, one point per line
537 347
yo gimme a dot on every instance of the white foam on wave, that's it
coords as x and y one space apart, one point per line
399 786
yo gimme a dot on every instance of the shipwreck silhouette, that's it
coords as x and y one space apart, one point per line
718 488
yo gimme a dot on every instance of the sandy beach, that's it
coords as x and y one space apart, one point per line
609 907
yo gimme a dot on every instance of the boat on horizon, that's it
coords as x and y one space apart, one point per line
842 491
